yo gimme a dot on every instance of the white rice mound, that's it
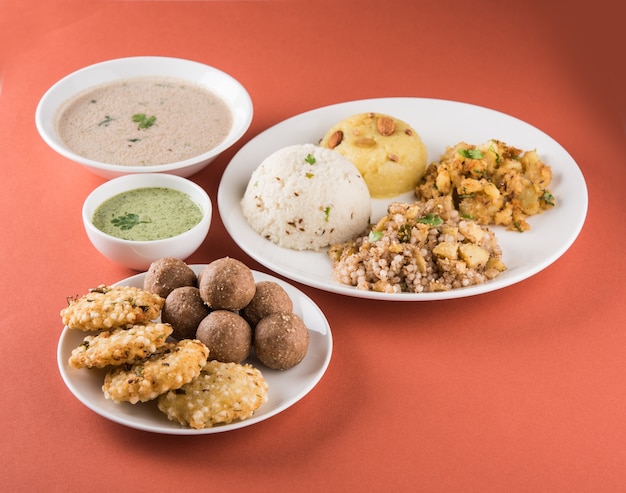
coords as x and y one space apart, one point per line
306 197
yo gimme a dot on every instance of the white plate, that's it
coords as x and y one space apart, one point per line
440 124
285 387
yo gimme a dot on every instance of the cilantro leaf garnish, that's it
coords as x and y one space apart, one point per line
143 120
310 159
375 236
127 221
471 153
430 219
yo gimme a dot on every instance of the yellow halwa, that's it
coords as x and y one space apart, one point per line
389 154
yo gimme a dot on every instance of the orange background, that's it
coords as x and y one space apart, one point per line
518 390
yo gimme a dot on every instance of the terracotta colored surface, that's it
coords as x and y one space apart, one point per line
518 390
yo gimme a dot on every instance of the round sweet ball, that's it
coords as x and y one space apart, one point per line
269 297
184 309
166 274
281 340
227 335
227 284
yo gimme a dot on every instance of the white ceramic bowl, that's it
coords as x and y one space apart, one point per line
218 82
138 255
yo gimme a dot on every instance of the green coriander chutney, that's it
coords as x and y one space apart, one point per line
146 214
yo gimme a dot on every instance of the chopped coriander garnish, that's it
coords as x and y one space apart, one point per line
309 175
310 159
375 236
471 153
143 120
326 213
127 221
430 219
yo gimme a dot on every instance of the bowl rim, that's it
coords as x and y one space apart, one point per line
92 201
241 107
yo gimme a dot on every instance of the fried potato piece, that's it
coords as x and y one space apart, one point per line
222 393
120 346
106 307
171 367
491 183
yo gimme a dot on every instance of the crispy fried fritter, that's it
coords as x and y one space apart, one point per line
120 346
110 307
222 393
171 367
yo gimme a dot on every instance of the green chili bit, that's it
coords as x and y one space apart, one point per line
548 197
127 221
471 153
430 219
375 236
404 233
143 120
326 213
493 149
